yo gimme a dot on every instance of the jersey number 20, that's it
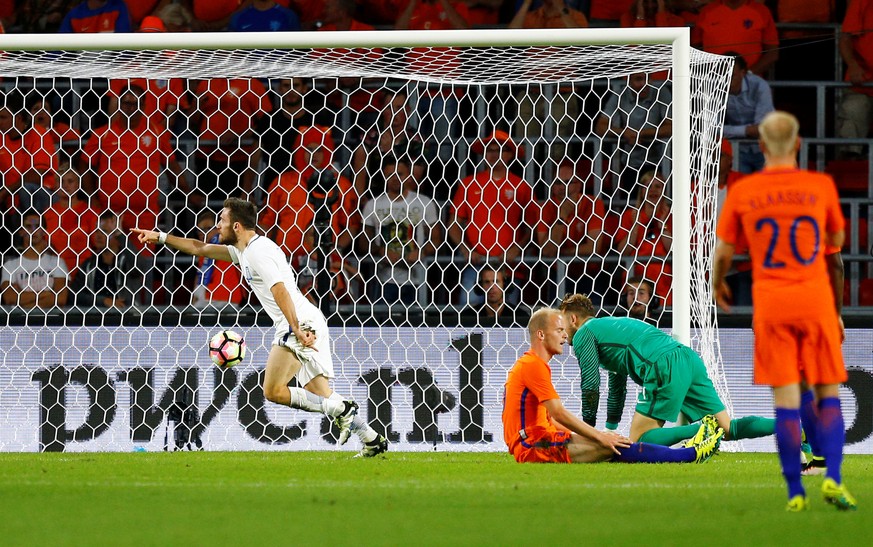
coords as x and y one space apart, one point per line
769 261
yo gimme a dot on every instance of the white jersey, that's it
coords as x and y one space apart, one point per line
263 264
34 274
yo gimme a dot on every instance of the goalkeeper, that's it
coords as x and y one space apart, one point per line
672 376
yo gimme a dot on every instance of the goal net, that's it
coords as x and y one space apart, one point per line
429 189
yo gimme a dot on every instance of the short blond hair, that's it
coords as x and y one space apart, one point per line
778 131
539 320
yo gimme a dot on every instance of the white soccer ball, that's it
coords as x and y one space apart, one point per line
227 349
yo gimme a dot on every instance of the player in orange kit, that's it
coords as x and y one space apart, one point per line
792 221
538 428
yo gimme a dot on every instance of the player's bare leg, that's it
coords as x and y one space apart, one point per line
320 386
583 450
282 365
640 424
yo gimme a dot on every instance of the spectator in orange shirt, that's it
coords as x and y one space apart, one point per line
70 221
161 99
28 159
795 228
650 13
218 283
569 229
483 13
311 188
124 159
551 14
42 109
491 213
744 26
856 48
225 115
645 234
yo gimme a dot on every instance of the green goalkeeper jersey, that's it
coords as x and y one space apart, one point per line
623 347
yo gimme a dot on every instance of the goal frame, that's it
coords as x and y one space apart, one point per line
678 37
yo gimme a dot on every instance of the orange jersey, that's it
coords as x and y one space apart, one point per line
528 384
747 30
786 215
129 163
159 96
69 230
290 212
494 210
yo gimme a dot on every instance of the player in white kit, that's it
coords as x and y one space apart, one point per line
301 347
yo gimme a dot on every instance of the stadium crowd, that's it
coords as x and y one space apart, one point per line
353 178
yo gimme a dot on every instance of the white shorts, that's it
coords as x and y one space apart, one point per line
315 361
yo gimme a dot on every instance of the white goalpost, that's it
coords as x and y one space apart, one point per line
406 175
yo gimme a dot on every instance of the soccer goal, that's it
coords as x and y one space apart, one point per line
431 189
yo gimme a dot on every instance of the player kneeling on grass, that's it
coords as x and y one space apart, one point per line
301 348
537 428
672 376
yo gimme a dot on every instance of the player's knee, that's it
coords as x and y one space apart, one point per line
276 393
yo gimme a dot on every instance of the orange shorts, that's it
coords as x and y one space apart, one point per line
810 350
543 447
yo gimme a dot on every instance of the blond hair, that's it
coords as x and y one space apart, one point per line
778 131
539 320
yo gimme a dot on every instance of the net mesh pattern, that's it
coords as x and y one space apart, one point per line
429 200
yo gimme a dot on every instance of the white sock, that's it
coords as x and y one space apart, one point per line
305 400
361 428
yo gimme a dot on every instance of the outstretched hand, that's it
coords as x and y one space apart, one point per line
145 236
614 441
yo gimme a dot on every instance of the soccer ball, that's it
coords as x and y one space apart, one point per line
227 349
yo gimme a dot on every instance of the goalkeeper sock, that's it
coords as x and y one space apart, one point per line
667 436
655 453
809 420
361 428
306 400
788 444
751 427
831 436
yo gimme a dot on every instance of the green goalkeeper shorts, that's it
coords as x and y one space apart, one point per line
678 382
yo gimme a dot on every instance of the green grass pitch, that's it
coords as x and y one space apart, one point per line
428 498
